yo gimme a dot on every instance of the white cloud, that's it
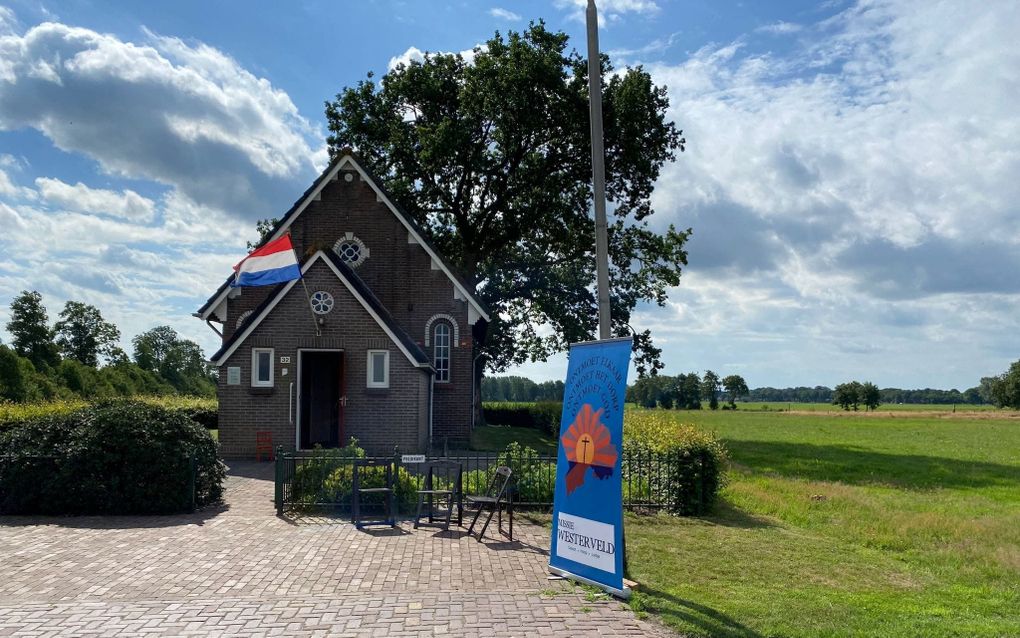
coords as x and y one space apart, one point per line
505 14
187 116
414 54
780 28
609 10
8 21
79 197
7 187
860 189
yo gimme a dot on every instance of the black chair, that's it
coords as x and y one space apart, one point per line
443 480
386 490
495 500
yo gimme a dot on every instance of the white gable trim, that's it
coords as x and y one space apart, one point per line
412 235
286 289
437 263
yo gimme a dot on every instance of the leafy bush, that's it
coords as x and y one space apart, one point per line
533 480
208 418
688 471
544 415
327 477
117 457
200 409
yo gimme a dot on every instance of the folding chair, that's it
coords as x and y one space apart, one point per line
386 490
494 500
263 444
442 486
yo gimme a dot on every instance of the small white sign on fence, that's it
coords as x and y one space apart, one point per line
412 458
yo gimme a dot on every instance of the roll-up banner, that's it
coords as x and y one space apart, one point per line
587 530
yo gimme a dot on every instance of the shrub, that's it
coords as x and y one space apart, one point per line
208 418
117 457
544 415
328 478
688 479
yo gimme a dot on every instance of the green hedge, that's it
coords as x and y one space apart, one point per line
118 457
544 415
204 411
327 478
208 418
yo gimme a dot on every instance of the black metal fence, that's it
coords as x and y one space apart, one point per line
651 481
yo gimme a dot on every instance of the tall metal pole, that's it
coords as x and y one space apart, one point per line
598 165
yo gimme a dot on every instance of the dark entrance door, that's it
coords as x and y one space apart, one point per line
321 399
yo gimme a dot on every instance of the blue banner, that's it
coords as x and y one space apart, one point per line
587 531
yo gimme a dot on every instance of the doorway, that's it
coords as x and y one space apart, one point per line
322 398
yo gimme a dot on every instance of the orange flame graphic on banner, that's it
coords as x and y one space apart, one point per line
587 444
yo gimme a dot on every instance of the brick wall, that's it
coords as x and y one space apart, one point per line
401 276
379 419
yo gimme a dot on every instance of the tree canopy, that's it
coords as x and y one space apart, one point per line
31 335
1005 388
736 387
83 334
492 157
165 364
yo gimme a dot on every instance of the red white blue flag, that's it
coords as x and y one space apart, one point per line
272 264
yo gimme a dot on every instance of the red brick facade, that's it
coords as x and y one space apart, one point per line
412 287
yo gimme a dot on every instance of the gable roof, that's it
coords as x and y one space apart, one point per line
348 158
358 289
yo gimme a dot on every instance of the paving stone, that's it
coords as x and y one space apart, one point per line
238 569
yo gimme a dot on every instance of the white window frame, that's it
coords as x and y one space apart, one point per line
255 381
448 347
369 369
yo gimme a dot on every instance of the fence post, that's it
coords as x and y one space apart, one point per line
278 479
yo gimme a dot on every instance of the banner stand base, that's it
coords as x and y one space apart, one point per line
623 594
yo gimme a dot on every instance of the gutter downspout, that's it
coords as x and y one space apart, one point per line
432 388
474 411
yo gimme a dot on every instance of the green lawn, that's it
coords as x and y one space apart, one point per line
903 525
496 438
885 407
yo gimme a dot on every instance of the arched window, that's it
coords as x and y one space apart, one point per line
441 351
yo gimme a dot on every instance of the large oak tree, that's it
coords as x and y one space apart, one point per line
492 157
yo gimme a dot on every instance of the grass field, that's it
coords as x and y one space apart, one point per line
782 406
902 525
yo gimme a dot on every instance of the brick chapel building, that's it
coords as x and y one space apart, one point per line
379 348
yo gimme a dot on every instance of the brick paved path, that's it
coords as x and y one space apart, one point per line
239 570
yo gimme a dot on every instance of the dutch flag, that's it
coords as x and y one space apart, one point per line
272 264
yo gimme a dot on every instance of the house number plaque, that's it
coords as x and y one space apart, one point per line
284 359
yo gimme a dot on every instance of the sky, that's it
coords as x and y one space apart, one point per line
852 173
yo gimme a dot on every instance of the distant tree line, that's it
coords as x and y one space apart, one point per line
687 391
79 356
516 388
692 392
978 395
854 394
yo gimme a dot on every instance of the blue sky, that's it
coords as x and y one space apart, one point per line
850 176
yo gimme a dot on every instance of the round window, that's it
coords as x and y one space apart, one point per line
322 302
349 251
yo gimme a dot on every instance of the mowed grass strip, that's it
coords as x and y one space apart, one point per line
844 527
